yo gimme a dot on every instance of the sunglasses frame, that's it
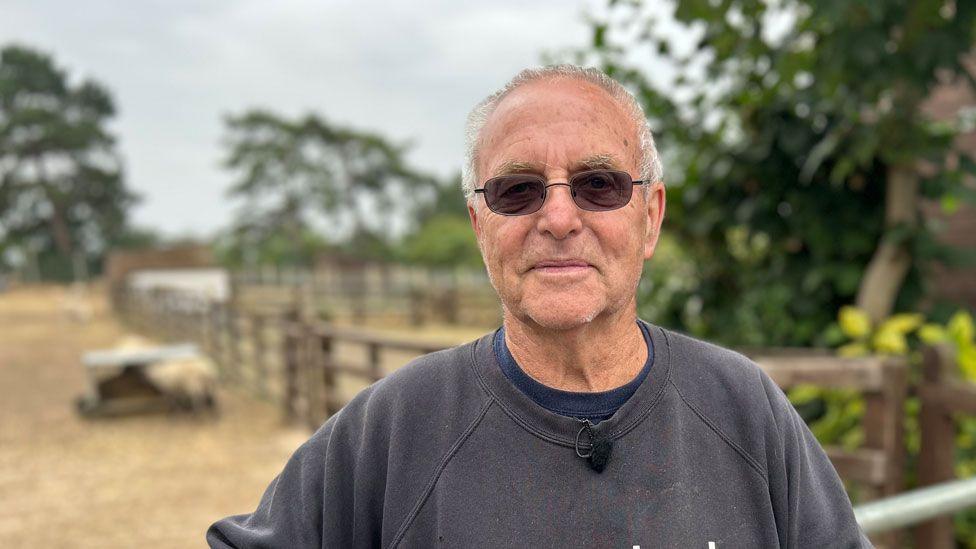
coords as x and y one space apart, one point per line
568 183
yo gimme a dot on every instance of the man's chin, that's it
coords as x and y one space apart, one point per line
557 317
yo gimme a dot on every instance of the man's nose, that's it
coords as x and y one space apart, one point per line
559 215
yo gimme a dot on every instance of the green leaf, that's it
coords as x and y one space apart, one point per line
853 350
949 204
890 342
854 322
599 35
960 328
966 358
903 323
931 334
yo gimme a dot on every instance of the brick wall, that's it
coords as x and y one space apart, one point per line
957 284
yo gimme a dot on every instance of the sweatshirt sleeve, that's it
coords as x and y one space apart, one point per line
813 510
290 513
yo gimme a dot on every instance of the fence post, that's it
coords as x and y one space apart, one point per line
319 377
884 431
292 341
374 361
935 460
233 344
328 386
359 306
893 439
416 304
311 372
212 335
260 363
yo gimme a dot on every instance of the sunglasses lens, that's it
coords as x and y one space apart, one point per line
595 190
602 190
515 194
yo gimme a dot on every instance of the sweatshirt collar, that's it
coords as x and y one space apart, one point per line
561 429
595 406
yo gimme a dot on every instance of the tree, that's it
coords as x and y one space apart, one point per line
797 149
302 175
241 247
62 194
443 237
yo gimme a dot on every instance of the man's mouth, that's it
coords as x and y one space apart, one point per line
561 266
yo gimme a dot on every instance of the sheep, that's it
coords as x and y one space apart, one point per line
189 384
132 342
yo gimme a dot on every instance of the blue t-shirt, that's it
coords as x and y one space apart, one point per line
592 406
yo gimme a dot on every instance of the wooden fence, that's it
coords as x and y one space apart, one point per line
878 466
311 368
308 367
387 293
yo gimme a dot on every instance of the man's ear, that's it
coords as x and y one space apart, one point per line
655 204
473 215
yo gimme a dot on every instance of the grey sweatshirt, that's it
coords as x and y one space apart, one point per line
447 452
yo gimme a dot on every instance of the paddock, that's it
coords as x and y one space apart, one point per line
142 481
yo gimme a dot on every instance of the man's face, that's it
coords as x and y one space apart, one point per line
562 267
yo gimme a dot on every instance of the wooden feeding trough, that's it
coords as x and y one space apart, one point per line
120 382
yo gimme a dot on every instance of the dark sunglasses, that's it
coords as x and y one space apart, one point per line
593 190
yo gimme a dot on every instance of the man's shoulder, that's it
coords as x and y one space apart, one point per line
702 367
730 393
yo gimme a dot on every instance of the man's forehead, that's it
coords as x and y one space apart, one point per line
555 91
544 99
597 161
517 135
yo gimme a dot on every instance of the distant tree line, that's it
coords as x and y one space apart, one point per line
302 187
306 187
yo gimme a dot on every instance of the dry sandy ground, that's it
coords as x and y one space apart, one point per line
150 481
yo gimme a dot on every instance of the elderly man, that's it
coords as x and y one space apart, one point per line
575 424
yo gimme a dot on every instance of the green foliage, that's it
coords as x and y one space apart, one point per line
367 244
443 241
135 238
444 237
61 185
779 140
236 250
839 414
666 284
305 176
447 200
903 334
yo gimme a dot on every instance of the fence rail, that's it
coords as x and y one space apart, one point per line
915 506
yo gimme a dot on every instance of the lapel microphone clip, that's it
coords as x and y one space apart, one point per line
597 451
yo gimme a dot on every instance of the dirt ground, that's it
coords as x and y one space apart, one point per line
146 481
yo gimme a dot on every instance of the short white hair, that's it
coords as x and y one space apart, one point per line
649 165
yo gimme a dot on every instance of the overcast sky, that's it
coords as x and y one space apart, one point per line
175 67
